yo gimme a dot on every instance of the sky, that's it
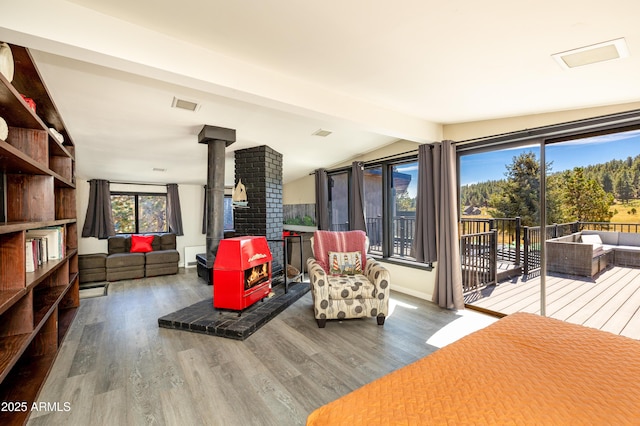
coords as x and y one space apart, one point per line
563 156
411 169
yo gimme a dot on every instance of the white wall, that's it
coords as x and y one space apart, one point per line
191 201
415 282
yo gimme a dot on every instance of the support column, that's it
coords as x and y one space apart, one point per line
217 139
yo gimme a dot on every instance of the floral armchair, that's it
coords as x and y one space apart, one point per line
344 282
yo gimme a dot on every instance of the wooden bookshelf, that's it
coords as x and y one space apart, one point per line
36 308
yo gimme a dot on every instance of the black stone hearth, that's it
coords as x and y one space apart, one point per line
202 317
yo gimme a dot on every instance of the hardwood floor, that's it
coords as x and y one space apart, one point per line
117 367
610 302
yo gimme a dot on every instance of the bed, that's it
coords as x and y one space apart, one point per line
523 369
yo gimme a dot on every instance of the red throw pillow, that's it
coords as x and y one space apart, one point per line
141 243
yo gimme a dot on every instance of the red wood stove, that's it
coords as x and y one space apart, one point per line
241 272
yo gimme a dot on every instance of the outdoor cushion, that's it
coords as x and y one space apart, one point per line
607 237
627 248
594 240
591 239
629 239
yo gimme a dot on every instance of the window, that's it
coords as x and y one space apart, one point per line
373 207
339 201
228 213
139 212
390 192
404 190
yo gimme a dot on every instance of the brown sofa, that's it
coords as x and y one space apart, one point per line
120 264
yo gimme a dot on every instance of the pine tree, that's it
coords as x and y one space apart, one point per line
607 182
583 198
623 185
520 193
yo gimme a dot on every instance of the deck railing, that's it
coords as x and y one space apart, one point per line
478 259
508 234
531 245
485 242
632 228
403 231
521 244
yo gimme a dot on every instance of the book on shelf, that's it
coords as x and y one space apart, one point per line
36 252
30 262
54 236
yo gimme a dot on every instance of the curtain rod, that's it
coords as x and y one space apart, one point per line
558 130
137 183
370 162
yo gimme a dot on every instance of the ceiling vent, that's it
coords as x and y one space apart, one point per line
601 52
322 133
185 104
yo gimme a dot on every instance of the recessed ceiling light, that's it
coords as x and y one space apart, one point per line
601 52
322 133
185 104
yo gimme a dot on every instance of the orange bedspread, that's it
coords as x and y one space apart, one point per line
523 369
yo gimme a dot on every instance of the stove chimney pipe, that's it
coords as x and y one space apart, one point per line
217 139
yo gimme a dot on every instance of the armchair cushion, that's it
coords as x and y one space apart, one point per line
350 287
345 263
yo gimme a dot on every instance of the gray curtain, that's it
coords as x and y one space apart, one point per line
425 241
437 221
204 213
322 200
99 219
174 212
356 214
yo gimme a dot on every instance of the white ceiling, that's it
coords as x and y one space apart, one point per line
276 71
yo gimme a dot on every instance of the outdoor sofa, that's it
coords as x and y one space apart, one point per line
587 253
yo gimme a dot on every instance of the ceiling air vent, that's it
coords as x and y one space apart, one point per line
322 133
184 104
607 51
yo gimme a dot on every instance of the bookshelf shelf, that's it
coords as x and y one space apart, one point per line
9 297
38 171
17 226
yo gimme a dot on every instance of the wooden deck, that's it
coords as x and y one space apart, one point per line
610 302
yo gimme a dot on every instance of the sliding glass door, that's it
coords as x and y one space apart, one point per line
583 265
500 228
593 209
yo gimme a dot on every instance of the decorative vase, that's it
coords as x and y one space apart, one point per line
6 61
